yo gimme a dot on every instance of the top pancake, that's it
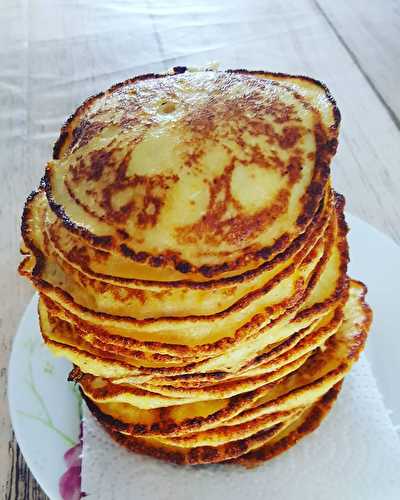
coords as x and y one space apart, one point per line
204 173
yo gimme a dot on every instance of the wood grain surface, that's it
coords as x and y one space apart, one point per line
55 53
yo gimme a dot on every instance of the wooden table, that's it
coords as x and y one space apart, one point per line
55 53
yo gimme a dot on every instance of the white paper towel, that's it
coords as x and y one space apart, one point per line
355 454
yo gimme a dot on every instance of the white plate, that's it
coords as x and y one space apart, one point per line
44 407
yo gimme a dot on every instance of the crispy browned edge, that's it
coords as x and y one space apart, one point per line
234 449
314 193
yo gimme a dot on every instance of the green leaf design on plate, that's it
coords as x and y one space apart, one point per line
48 368
45 417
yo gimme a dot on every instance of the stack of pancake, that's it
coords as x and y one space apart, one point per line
191 259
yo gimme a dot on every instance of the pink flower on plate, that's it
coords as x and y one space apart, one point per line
70 481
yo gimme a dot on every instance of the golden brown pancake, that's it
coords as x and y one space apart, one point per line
240 160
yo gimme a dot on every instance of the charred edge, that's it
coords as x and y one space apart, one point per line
38 255
75 374
178 70
320 84
103 241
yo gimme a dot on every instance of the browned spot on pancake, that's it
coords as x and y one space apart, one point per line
92 168
294 168
99 160
216 225
123 234
272 161
259 158
289 137
79 255
145 194
281 112
192 158
202 120
259 128
85 131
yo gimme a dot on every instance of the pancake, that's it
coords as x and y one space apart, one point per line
255 131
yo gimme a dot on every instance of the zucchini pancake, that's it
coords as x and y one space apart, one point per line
191 260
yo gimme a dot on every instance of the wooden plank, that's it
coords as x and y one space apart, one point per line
21 485
370 32
70 50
